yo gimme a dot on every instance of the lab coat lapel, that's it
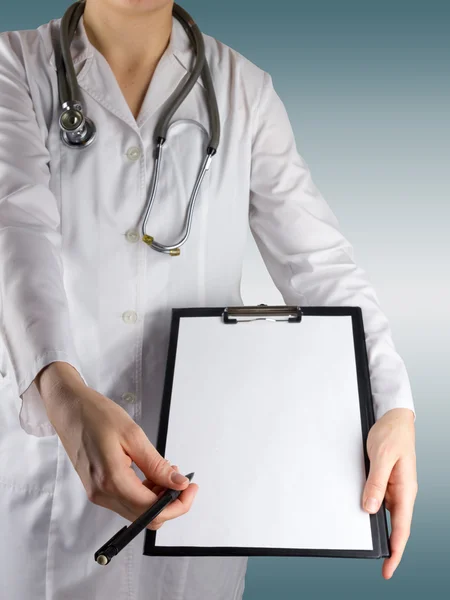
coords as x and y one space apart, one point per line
168 74
94 75
172 70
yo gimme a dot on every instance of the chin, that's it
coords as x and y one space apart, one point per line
135 6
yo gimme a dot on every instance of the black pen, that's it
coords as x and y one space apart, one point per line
123 537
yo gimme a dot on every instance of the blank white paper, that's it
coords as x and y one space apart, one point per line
267 416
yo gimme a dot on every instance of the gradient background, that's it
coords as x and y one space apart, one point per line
367 88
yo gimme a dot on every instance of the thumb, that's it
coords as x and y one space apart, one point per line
376 484
155 467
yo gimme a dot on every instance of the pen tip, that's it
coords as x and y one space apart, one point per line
190 476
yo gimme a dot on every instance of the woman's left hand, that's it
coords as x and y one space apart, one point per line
393 477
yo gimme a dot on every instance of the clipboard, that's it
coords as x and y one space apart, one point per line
270 406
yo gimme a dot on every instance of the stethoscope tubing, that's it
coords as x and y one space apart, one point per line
78 131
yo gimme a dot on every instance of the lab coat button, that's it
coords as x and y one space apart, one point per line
133 153
132 236
129 397
129 316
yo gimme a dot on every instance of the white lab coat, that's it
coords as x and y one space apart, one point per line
76 286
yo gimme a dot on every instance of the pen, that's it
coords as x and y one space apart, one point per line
123 537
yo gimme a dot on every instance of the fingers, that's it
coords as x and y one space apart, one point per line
178 507
124 493
158 489
122 483
390 445
150 462
381 465
401 510
401 516
175 509
121 509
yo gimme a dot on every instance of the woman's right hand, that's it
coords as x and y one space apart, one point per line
102 441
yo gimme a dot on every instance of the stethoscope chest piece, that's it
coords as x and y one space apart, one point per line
77 130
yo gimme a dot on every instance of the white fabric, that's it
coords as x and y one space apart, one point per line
68 273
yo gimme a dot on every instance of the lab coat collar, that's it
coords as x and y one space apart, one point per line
96 78
82 50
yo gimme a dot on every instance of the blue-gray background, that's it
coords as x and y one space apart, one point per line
367 88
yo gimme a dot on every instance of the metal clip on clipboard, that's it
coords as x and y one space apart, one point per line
262 312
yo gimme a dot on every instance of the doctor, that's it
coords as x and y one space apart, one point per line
86 297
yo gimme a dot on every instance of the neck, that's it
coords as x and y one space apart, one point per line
129 39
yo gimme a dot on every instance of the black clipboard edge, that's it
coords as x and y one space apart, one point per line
378 521
252 551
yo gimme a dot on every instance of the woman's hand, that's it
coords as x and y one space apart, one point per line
392 476
102 441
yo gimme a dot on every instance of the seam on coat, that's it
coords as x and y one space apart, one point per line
258 109
140 272
52 526
138 348
22 228
24 488
24 187
182 588
131 594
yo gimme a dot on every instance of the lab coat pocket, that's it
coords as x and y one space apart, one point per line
26 515
26 500
27 463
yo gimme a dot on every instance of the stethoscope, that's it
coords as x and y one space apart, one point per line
78 131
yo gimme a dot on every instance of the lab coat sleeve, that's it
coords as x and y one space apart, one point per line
34 315
307 256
